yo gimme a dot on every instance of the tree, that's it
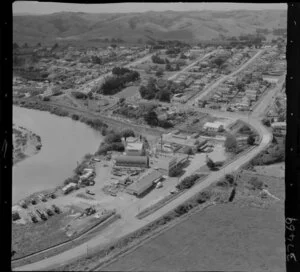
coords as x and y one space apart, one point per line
266 122
230 143
251 140
168 67
122 100
39 44
189 151
229 178
127 133
164 96
219 61
25 45
151 118
159 73
210 163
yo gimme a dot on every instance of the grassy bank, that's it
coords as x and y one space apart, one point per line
51 238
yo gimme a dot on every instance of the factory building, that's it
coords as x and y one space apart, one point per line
143 185
132 161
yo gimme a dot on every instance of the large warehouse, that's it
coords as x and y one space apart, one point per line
132 161
144 184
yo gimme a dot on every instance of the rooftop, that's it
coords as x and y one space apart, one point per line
145 182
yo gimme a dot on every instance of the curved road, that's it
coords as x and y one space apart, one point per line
129 223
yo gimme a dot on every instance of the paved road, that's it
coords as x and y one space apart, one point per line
223 78
268 99
129 223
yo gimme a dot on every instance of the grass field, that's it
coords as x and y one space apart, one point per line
225 237
245 235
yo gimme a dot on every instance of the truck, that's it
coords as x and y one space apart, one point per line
55 208
23 204
41 214
49 212
33 218
68 188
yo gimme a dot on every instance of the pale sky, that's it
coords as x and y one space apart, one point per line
34 7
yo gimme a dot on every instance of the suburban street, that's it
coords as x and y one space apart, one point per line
129 223
191 65
222 79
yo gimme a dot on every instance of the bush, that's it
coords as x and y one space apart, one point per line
203 196
210 164
230 143
75 117
165 124
251 140
255 184
79 95
187 182
266 122
46 98
127 133
182 209
229 178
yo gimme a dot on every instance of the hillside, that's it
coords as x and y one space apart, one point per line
133 27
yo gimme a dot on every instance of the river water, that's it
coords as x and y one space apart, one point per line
64 143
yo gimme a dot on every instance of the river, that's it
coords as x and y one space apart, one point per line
64 143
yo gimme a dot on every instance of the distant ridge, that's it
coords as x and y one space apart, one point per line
131 27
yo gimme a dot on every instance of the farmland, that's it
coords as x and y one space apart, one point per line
237 236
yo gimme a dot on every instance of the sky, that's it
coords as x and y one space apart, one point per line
34 7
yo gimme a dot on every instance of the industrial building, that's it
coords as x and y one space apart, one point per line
170 165
144 184
132 161
133 146
216 126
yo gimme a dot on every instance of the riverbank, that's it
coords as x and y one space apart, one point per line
25 144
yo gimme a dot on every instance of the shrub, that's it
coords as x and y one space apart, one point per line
266 122
255 184
182 209
75 117
210 164
230 143
187 182
46 98
203 196
229 178
251 140
127 133
79 95
165 124
222 183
